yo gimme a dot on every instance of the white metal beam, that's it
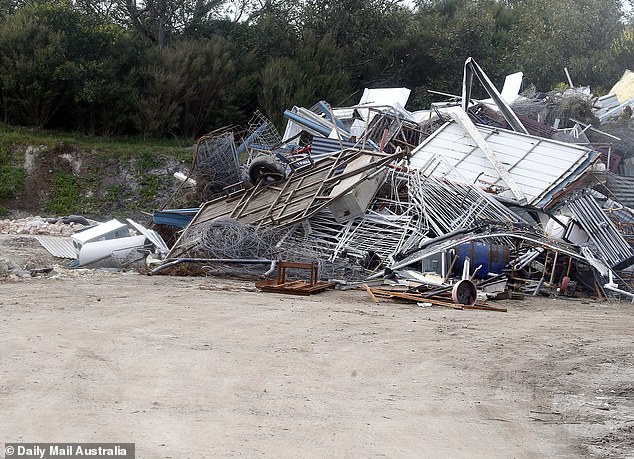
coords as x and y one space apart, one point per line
460 117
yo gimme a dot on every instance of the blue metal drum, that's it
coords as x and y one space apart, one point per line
492 257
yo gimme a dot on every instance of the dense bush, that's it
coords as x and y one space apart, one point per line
184 68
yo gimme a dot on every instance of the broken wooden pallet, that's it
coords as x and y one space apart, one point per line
298 287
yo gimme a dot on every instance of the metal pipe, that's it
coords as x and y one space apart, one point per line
538 287
272 268
308 123
529 256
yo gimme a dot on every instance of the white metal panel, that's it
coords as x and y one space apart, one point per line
510 90
110 253
512 87
385 96
111 229
381 98
537 165
343 113
154 237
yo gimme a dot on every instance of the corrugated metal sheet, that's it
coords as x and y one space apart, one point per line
611 245
622 189
60 247
626 167
537 165
322 146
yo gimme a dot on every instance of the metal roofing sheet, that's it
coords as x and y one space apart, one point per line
60 247
322 146
622 188
537 165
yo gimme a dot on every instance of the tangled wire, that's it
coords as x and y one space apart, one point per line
230 239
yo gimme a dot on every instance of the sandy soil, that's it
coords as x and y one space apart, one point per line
210 367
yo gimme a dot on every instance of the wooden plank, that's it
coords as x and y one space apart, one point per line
369 290
483 307
419 298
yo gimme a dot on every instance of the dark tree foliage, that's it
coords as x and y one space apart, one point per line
159 21
162 67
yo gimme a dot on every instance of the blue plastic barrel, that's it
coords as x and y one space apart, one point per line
492 257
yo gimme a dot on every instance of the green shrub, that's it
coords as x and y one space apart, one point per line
11 181
65 194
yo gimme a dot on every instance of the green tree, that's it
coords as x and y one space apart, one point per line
210 70
32 58
576 34
621 55
274 30
454 30
9 7
363 30
279 79
183 85
63 68
162 80
162 20
103 84
317 72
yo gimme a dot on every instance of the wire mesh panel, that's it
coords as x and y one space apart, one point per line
262 138
217 164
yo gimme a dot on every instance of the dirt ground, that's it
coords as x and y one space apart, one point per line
192 367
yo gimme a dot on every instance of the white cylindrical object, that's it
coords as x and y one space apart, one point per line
93 252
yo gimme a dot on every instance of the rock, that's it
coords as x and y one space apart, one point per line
4 268
38 226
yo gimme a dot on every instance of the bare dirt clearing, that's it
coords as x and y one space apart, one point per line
208 367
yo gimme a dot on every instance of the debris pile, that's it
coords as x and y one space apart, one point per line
466 201
111 244
519 193
11 271
65 226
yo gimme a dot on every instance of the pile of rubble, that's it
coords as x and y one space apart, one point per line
108 245
44 226
467 200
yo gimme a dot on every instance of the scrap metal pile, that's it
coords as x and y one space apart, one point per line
470 199
108 245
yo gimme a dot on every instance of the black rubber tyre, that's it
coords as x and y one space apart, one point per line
266 168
